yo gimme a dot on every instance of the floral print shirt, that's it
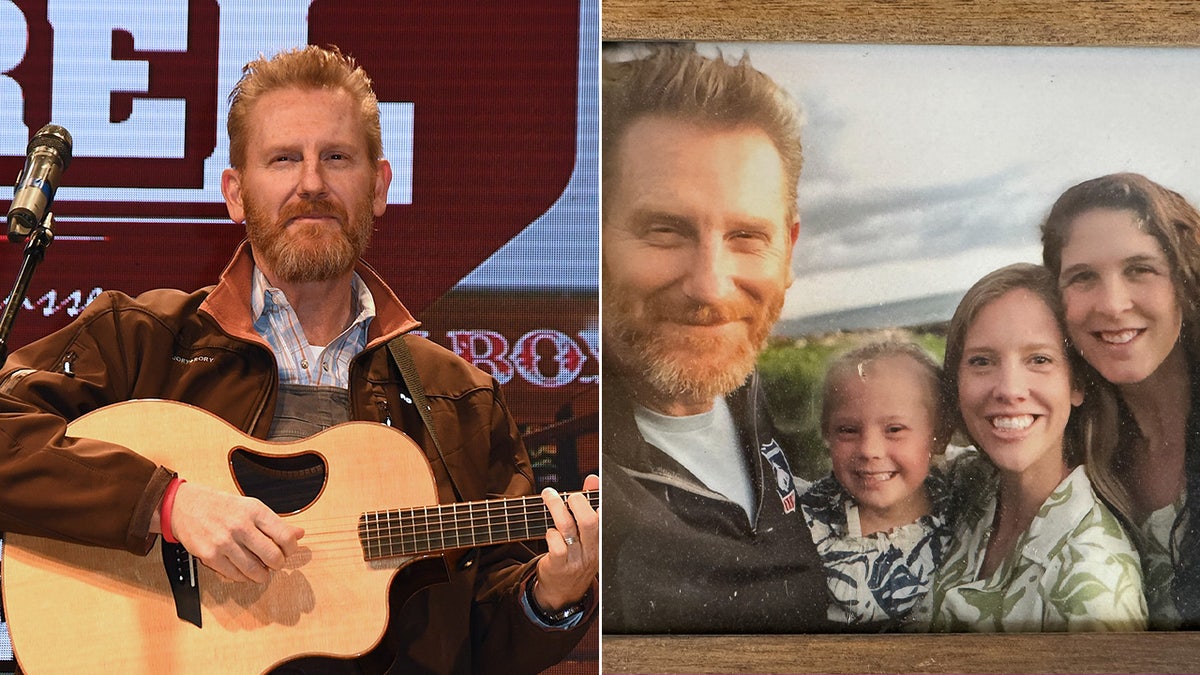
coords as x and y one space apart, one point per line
1074 569
1157 537
876 580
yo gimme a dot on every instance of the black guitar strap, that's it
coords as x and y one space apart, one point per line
408 370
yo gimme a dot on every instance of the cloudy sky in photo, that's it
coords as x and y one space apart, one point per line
928 166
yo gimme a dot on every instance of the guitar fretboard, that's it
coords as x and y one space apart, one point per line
444 527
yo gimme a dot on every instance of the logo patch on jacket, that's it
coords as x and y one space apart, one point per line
193 359
785 484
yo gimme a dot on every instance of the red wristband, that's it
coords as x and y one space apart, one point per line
164 513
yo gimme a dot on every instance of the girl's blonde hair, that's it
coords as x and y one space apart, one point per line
853 363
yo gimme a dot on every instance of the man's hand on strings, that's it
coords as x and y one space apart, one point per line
238 537
566 573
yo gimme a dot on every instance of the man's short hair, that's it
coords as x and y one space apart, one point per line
308 67
676 81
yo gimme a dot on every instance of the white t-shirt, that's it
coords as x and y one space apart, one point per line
705 444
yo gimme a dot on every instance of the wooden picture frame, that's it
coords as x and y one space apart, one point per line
997 22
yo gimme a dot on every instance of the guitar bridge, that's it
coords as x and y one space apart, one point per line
185 583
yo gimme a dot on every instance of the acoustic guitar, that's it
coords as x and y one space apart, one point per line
372 517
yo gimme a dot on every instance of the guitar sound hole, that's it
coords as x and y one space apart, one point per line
285 484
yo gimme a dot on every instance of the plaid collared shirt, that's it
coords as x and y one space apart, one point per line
298 361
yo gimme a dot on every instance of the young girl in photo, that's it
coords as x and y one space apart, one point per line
878 519
1034 549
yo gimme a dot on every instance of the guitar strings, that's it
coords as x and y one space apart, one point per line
409 531
418 531
501 509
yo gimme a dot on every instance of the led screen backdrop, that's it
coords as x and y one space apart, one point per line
489 120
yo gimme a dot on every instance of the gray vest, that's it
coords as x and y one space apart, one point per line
304 410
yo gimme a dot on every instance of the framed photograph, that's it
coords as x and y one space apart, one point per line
996 111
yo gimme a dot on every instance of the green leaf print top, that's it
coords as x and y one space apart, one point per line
1074 569
1157 537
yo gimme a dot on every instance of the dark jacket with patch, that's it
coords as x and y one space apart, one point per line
680 558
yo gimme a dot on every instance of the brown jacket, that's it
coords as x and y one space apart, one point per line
201 348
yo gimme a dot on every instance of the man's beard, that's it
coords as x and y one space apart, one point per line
676 364
306 253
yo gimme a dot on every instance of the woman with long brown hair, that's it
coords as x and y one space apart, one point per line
1126 255
1034 549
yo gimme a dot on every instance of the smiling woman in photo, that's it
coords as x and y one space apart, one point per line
1034 548
1125 254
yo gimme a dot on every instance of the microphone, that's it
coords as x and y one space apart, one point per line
46 158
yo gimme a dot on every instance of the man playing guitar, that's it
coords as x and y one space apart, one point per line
297 335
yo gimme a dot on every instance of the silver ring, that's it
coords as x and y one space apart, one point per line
569 540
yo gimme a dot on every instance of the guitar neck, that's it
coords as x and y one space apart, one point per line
445 527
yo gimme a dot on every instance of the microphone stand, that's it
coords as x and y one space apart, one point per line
35 251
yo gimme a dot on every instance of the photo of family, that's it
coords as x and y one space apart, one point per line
899 339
